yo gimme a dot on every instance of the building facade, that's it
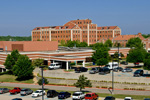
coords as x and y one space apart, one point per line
123 39
81 30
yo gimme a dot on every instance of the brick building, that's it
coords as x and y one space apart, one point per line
81 30
123 39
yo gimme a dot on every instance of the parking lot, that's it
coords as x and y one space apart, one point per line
7 96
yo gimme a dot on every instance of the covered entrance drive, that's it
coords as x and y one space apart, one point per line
67 59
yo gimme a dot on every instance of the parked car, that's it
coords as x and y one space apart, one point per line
127 70
94 70
136 63
15 90
16 99
52 93
109 98
128 98
138 73
38 93
4 90
80 69
147 99
54 66
104 70
78 95
64 95
124 62
91 96
26 91
118 69
112 65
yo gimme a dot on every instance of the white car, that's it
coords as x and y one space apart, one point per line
54 66
128 98
78 96
37 93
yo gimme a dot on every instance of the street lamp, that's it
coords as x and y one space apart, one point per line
118 54
42 82
112 75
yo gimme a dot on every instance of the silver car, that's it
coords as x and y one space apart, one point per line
94 70
4 90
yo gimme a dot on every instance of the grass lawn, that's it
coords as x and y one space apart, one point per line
12 78
121 96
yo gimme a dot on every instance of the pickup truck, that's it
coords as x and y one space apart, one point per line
91 96
15 90
54 66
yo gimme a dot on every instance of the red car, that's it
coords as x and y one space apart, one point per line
15 90
137 63
91 96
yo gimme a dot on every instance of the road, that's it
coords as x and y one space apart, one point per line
65 88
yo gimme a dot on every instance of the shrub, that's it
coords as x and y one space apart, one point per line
40 81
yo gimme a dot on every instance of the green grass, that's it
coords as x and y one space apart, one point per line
121 96
12 78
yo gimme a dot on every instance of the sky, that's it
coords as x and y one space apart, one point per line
19 17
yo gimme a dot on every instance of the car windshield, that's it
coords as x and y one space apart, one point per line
37 91
76 94
61 93
88 95
93 69
15 88
52 64
107 65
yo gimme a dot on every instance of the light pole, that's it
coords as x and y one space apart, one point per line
42 82
112 75
118 54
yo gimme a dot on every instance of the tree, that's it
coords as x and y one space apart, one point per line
83 44
38 62
40 81
147 62
11 59
136 55
23 68
116 54
82 82
62 43
108 43
134 42
101 55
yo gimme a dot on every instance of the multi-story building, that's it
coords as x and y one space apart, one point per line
123 39
81 30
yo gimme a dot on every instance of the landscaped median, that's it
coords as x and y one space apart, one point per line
99 84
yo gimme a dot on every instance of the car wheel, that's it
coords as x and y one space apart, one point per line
15 92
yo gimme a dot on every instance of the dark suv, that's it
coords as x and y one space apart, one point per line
80 69
52 93
138 73
104 70
64 95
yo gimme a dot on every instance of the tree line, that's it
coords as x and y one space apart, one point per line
15 38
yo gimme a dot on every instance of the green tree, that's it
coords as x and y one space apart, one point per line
40 81
136 55
116 44
116 54
38 62
147 62
134 42
101 55
11 59
62 43
108 43
23 68
82 82
83 44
